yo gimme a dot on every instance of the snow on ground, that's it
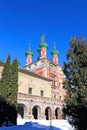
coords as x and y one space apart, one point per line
62 124
40 124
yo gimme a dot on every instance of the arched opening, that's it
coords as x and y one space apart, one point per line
36 112
20 111
48 113
57 110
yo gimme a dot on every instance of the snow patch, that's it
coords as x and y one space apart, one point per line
39 124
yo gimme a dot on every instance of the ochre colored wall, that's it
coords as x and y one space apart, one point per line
37 84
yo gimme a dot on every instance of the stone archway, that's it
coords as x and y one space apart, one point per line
57 112
20 110
36 112
48 113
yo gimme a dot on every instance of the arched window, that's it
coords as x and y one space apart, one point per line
48 113
36 112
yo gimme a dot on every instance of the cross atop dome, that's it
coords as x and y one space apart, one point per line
42 38
54 45
29 45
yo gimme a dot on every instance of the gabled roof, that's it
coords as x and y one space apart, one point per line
29 73
33 74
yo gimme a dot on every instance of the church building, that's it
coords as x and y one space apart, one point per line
40 90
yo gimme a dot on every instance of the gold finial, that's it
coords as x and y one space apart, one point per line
42 38
54 45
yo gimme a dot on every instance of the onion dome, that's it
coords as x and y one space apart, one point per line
39 49
29 53
43 44
54 52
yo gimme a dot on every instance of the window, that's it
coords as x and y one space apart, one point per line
55 83
60 84
60 97
30 91
55 96
42 93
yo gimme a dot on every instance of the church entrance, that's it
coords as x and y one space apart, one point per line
48 113
36 112
20 111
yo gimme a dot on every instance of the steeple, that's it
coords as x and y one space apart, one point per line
55 54
42 48
29 55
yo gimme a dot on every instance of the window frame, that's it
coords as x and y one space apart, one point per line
30 90
41 93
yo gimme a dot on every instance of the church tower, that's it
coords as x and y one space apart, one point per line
42 48
29 55
55 54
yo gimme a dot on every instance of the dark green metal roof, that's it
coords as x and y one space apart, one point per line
54 52
29 52
43 45
39 49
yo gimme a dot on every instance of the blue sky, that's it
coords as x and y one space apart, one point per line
24 21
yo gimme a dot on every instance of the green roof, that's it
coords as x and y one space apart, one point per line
29 53
43 45
54 52
39 49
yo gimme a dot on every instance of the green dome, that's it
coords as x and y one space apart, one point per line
54 52
29 52
39 49
43 45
